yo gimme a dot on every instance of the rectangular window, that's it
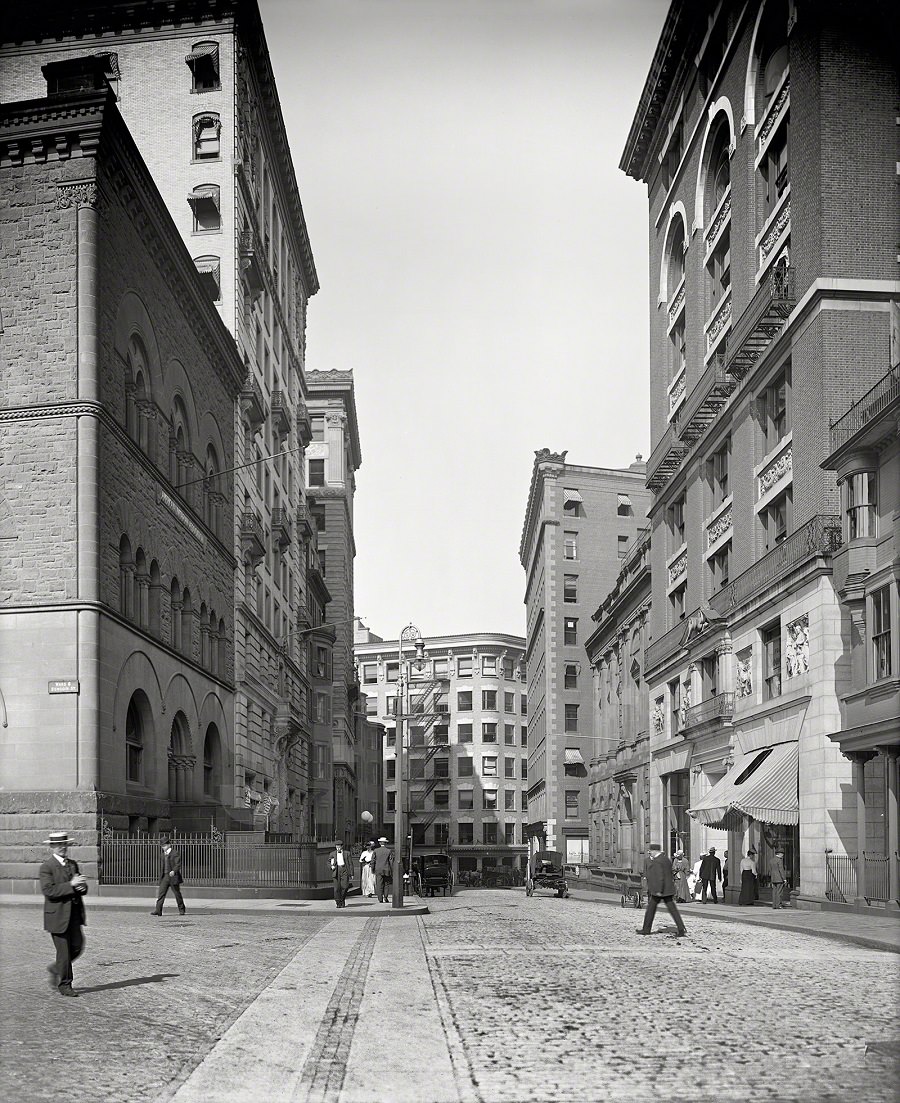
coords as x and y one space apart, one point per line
441 668
570 630
571 804
391 800
372 707
571 676
466 834
488 733
369 673
204 202
571 718
623 506
464 733
509 768
442 798
465 799
524 802
674 708
392 671
881 633
709 672
720 567
778 518
524 734
524 703
861 505
509 702
524 770
771 640
465 767
390 737
509 670
464 666
719 472
676 524
489 700
676 602
570 588
489 834
509 800
489 665
442 767
622 544
390 768
489 800
572 503
489 765
509 834
203 61
571 545
441 834
316 472
464 700
509 735
776 409
441 736
323 708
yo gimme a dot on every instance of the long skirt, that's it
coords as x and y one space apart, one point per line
367 883
748 887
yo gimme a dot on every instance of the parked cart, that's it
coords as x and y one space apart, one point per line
545 871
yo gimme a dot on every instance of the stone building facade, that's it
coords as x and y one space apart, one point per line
117 386
619 777
771 290
466 756
579 524
195 87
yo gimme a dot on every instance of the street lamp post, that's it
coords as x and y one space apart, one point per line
409 634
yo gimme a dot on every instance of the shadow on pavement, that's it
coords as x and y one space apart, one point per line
157 978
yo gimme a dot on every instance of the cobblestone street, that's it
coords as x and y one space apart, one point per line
293 1002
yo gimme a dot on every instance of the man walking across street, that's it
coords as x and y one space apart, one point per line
63 887
384 870
778 878
660 886
170 875
710 874
340 873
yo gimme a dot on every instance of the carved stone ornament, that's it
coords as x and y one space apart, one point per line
719 322
677 303
774 114
796 652
80 193
722 524
676 394
775 231
544 455
744 675
659 715
776 471
721 218
678 568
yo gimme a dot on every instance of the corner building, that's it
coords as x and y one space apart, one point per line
195 87
116 563
579 525
465 778
766 136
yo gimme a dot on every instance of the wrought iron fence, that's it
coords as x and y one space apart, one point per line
720 707
216 861
878 878
841 885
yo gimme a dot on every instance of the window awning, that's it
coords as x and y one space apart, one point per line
208 266
623 500
572 496
761 784
206 50
573 757
211 192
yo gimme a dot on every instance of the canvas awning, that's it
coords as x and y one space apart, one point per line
207 191
208 50
761 784
573 757
623 500
572 496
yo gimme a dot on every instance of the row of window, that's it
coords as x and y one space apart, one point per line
465 800
464 665
464 734
465 767
180 779
573 504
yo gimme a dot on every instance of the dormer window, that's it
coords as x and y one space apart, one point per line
203 61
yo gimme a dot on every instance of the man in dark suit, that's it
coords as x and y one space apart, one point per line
340 873
710 873
63 887
170 875
384 870
660 886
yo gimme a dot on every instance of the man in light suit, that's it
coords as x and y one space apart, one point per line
63 887
340 873
384 871
778 878
170 875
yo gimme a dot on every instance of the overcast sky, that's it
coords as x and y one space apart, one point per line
483 269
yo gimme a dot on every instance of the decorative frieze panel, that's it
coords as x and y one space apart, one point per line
719 221
796 647
744 673
777 110
778 228
677 391
780 468
719 527
659 715
719 321
678 568
80 193
677 303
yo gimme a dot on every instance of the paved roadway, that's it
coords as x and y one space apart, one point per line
492 998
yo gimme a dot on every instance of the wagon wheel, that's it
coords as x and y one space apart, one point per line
624 901
419 885
529 887
450 883
635 899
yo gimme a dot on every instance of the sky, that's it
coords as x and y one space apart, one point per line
483 270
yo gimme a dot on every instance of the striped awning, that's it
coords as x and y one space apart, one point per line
570 495
761 784
573 757
623 500
203 50
207 191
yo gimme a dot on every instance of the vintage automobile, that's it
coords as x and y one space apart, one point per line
545 871
433 874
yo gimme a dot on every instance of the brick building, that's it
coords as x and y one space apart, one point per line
766 135
116 560
195 87
332 460
619 770
466 784
579 524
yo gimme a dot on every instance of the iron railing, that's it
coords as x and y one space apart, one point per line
761 321
821 535
216 861
840 877
704 400
720 707
874 402
667 644
665 458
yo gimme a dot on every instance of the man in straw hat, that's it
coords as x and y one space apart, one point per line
384 870
63 887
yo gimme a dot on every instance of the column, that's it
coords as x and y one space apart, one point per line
859 760
893 842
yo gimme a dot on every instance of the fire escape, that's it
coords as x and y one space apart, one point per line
428 711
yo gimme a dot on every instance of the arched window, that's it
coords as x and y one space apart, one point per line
175 604
676 312
136 737
675 263
180 760
135 386
212 491
213 635
142 589
181 463
153 606
187 624
717 216
126 578
773 117
207 130
212 762
223 650
204 636
206 209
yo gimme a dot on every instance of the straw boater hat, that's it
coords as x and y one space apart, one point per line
383 839
58 838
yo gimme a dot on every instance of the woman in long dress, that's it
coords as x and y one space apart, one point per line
367 861
748 879
681 867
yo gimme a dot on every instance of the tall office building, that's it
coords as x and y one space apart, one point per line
465 783
579 524
195 87
766 136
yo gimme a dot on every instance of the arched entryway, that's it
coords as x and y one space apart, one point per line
181 760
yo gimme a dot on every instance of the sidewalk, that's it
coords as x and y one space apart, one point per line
873 931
